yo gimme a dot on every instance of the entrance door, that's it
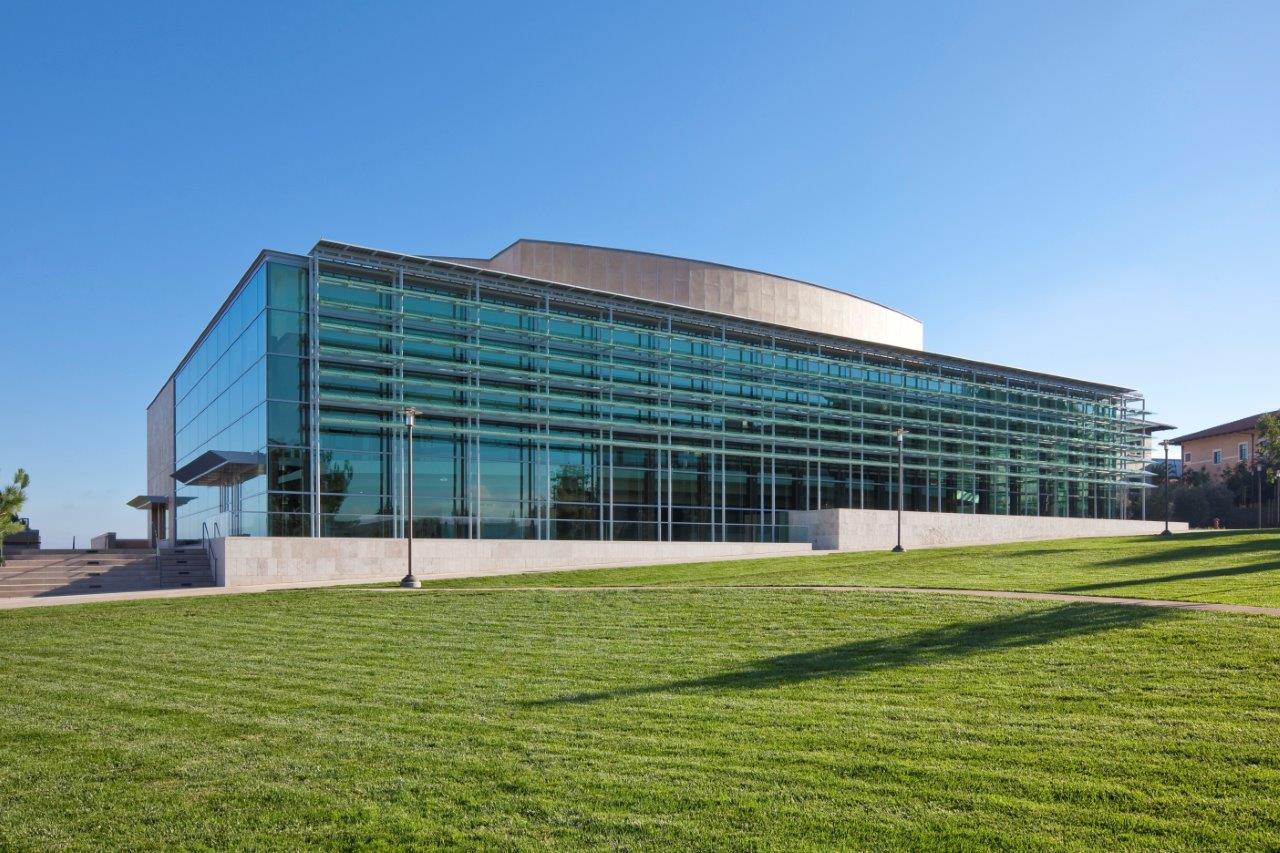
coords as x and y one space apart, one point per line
157 525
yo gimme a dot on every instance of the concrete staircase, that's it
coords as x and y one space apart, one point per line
181 567
67 572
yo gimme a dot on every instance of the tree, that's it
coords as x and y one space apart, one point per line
1267 450
1239 479
1195 479
1267 445
1200 505
11 501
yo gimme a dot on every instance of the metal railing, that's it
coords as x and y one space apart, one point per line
206 541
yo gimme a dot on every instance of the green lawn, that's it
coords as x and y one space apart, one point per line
1230 567
670 718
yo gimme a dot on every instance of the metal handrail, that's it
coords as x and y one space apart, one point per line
207 543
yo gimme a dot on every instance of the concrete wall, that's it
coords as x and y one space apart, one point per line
284 561
709 287
876 529
109 540
160 454
262 561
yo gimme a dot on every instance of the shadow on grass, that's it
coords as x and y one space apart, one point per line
1203 574
1039 552
917 648
1181 552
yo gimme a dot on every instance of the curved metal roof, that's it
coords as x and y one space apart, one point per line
708 286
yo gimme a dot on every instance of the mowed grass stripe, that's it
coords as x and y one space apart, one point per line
1231 567
806 719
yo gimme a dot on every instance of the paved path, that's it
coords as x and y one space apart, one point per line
1210 606
1213 607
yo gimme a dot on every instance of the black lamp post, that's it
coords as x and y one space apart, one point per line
900 433
1166 531
409 581
1258 466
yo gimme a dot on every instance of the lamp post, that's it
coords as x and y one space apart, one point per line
409 581
1166 531
1258 466
900 433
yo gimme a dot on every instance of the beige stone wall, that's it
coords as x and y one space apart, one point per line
264 561
710 287
876 529
1201 450
160 452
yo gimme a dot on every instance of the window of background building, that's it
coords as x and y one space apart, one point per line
1186 457
1244 451
1217 457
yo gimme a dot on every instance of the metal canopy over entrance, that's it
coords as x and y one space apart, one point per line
221 468
157 506
226 469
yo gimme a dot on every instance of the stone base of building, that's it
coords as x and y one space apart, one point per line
876 529
284 561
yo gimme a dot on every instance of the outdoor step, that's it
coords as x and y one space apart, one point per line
118 573
29 590
53 576
15 567
79 552
10 567
81 570
88 555
26 570
77 572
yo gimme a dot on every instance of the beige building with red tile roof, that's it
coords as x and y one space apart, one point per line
1218 448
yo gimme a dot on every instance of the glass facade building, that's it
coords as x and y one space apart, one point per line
551 411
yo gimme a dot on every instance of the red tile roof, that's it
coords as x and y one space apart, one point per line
1242 425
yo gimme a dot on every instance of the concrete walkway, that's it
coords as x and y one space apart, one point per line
195 592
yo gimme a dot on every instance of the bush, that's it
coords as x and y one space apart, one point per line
1200 505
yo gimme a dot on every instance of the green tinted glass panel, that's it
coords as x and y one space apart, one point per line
286 332
286 377
287 470
286 424
286 286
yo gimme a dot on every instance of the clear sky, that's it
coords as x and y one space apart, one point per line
1089 189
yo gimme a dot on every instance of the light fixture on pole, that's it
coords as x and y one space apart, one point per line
1259 467
900 433
1166 531
409 581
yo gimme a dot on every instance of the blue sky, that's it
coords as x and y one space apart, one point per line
1089 189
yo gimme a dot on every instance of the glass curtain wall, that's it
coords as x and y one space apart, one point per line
242 389
552 414
288 458
218 405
